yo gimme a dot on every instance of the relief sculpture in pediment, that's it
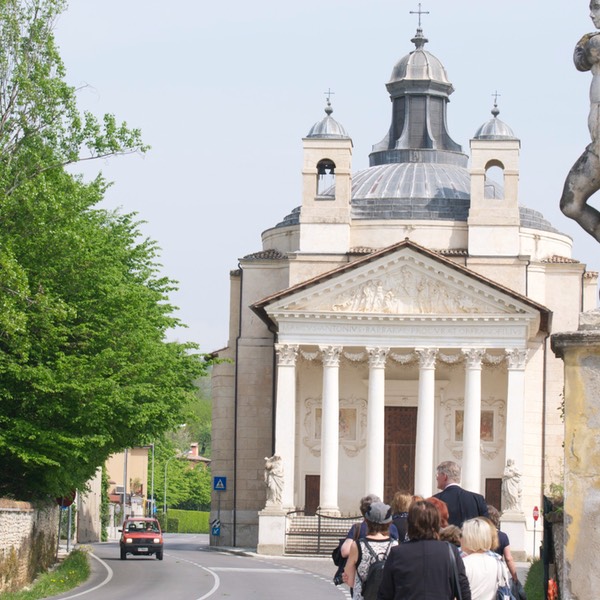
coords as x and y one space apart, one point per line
406 292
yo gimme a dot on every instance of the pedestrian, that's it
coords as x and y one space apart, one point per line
442 509
400 503
424 567
375 546
462 504
503 548
483 566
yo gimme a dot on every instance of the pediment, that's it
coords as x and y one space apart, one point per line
404 283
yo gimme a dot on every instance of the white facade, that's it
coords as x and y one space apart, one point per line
367 349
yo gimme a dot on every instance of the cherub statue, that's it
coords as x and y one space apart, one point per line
583 179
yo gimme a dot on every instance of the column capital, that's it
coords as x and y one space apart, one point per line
377 356
331 355
473 357
286 354
427 357
516 357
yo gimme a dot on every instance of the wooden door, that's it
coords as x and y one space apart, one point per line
493 492
400 441
312 494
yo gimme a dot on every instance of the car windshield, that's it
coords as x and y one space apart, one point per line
142 526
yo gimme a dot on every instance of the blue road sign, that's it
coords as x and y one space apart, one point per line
216 530
220 484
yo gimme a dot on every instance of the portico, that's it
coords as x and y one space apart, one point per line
367 359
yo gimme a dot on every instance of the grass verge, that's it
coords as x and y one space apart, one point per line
74 570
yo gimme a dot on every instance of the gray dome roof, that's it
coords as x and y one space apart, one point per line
495 129
328 127
419 64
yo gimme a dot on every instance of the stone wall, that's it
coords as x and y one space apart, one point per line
28 541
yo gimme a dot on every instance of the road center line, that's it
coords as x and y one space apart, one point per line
251 570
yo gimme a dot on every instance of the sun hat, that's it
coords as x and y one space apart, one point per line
379 513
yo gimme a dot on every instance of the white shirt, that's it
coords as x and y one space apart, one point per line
483 571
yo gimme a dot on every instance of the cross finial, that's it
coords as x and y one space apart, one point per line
495 110
419 12
329 93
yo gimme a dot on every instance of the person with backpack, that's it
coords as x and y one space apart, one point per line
424 567
364 568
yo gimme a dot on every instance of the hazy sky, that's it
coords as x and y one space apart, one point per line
224 92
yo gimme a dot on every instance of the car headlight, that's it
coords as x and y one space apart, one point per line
129 541
157 540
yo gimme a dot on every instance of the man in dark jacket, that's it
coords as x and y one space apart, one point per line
462 504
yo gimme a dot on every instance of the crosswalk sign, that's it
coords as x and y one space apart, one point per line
220 484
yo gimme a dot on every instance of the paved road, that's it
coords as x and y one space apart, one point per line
192 571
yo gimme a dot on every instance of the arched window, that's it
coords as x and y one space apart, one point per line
494 180
325 176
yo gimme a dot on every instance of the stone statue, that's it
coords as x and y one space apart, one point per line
583 179
511 488
274 479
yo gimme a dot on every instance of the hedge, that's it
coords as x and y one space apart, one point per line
187 521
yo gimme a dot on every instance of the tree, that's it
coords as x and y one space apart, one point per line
85 370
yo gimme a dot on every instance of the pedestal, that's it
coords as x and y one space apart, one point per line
580 352
271 532
514 526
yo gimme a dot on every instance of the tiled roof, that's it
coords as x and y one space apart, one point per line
266 255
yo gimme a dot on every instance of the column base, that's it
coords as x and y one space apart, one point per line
271 531
514 525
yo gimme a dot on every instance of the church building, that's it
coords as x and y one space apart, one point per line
398 318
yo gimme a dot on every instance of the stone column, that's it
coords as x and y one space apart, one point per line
424 467
515 405
580 352
513 518
330 430
471 464
376 422
285 419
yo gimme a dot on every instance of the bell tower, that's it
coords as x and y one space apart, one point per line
326 188
494 218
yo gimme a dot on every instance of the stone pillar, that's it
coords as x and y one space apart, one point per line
376 422
330 431
580 352
424 467
471 464
513 518
285 419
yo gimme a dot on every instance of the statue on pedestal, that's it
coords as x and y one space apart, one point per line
274 479
583 179
511 488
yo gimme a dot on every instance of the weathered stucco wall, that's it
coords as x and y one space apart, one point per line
580 352
28 541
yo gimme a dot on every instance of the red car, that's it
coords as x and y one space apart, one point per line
141 535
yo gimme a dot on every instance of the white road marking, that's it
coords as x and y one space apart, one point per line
109 576
251 570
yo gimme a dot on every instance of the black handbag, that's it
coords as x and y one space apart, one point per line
456 585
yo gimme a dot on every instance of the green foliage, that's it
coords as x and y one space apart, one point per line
85 370
191 521
104 506
69 574
188 484
534 584
172 525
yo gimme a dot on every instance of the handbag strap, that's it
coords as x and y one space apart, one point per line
456 586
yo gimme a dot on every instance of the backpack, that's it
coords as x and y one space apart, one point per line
371 583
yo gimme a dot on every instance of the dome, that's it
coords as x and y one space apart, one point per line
419 64
328 127
495 129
